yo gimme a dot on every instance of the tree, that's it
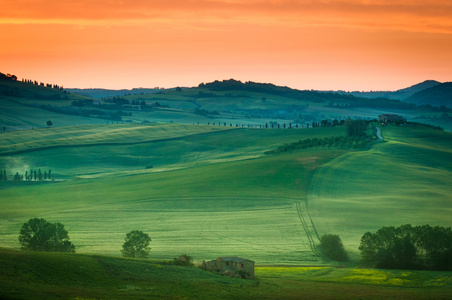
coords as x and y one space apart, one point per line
136 244
59 239
332 247
40 235
407 247
389 248
184 260
355 128
49 123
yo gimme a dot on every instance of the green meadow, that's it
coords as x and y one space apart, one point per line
211 191
26 275
405 180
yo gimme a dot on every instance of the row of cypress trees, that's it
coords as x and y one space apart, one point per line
33 175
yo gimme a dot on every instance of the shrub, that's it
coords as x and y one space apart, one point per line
183 260
332 247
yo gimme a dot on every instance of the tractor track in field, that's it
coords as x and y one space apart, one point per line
313 193
309 228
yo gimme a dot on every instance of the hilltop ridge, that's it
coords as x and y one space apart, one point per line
437 95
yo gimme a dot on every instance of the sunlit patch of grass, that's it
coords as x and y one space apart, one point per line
358 276
373 276
287 271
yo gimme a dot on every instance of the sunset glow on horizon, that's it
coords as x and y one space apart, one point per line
325 45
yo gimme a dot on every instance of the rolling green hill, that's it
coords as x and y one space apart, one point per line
211 191
208 176
26 105
405 180
26 275
229 102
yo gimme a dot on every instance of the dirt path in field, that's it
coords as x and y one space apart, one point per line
379 133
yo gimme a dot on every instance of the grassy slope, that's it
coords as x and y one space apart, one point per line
205 206
26 275
246 105
405 180
211 193
242 107
16 115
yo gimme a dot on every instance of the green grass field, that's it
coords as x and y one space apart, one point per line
212 192
406 180
202 204
26 275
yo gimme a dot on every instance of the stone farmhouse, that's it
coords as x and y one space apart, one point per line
391 118
232 266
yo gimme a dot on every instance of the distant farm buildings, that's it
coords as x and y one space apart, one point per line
231 266
391 118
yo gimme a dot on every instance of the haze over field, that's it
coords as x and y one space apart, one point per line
306 144
327 45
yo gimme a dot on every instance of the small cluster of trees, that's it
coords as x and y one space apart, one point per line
332 247
52 86
408 247
136 245
355 127
266 126
13 77
338 141
40 235
328 123
34 175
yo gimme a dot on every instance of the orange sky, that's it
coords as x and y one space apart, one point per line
324 44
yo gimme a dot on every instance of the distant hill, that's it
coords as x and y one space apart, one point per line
327 98
105 93
438 95
268 88
26 104
401 94
12 88
419 87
